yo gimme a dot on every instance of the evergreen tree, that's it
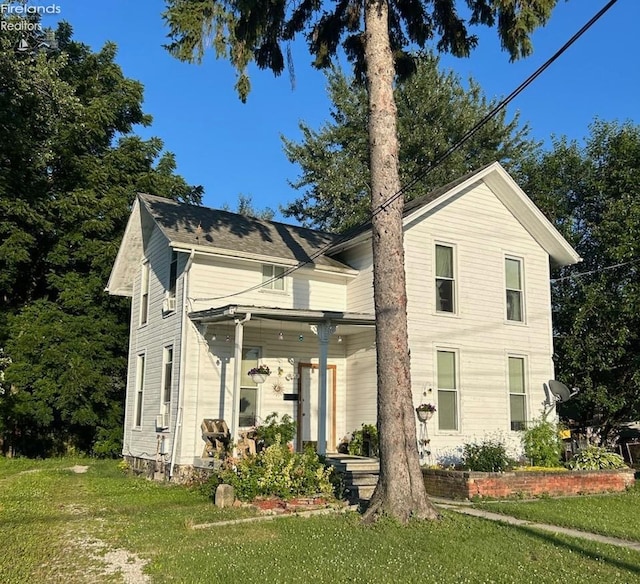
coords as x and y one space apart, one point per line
69 170
434 113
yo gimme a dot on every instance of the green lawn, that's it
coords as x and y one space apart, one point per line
613 515
48 515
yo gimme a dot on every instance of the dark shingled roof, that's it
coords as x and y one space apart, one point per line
201 226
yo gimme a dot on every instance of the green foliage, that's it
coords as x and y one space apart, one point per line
591 194
596 458
490 455
69 170
541 444
364 442
261 33
273 431
334 160
276 471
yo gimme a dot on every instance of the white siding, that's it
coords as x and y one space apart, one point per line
159 331
483 232
217 281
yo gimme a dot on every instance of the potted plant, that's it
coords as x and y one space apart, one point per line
259 374
425 411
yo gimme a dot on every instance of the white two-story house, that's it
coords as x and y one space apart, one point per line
215 294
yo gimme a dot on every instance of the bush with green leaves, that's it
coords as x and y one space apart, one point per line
596 458
541 444
364 442
276 471
490 455
268 432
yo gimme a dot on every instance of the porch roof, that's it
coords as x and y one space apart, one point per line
232 311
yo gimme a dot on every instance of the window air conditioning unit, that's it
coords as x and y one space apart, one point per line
169 303
162 421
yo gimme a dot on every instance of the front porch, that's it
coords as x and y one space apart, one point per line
313 357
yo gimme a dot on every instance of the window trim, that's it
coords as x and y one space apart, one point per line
144 294
525 384
138 407
523 319
454 279
270 289
456 391
165 406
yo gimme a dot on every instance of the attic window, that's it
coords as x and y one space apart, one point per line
272 277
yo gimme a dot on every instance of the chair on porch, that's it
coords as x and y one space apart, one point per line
216 436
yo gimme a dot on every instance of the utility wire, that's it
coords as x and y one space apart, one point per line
437 161
598 271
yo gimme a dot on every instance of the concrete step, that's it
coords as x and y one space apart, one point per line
347 463
362 493
359 479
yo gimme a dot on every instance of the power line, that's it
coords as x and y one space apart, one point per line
438 160
597 271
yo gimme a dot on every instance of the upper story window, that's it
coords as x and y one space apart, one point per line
144 294
273 277
447 390
173 274
445 279
515 289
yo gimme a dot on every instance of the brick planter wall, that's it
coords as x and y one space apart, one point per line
455 484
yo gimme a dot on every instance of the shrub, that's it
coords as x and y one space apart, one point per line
596 458
364 442
490 455
276 471
541 444
267 433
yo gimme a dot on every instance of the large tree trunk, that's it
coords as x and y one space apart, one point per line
400 492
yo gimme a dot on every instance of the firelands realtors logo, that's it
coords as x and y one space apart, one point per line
23 21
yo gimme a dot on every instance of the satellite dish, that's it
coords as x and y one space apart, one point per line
560 391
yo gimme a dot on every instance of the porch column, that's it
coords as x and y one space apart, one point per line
324 331
237 374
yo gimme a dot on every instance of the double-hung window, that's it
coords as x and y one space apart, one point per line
273 277
248 387
514 289
517 393
167 379
447 390
144 294
140 371
445 279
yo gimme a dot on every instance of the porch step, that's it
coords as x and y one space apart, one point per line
359 475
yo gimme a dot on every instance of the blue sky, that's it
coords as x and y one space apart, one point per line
232 148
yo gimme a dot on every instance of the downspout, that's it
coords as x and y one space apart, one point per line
183 348
237 374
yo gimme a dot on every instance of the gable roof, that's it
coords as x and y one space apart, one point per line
214 231
506 190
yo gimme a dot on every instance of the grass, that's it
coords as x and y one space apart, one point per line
47 511
613 515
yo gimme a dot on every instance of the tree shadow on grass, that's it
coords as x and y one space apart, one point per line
573 545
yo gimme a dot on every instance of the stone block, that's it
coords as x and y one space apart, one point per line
225 496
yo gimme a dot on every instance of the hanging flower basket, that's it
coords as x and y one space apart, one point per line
425 412
259 374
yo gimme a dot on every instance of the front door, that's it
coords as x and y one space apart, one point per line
308 406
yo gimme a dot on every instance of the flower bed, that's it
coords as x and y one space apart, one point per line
457 484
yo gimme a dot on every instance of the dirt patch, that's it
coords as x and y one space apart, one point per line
118 561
